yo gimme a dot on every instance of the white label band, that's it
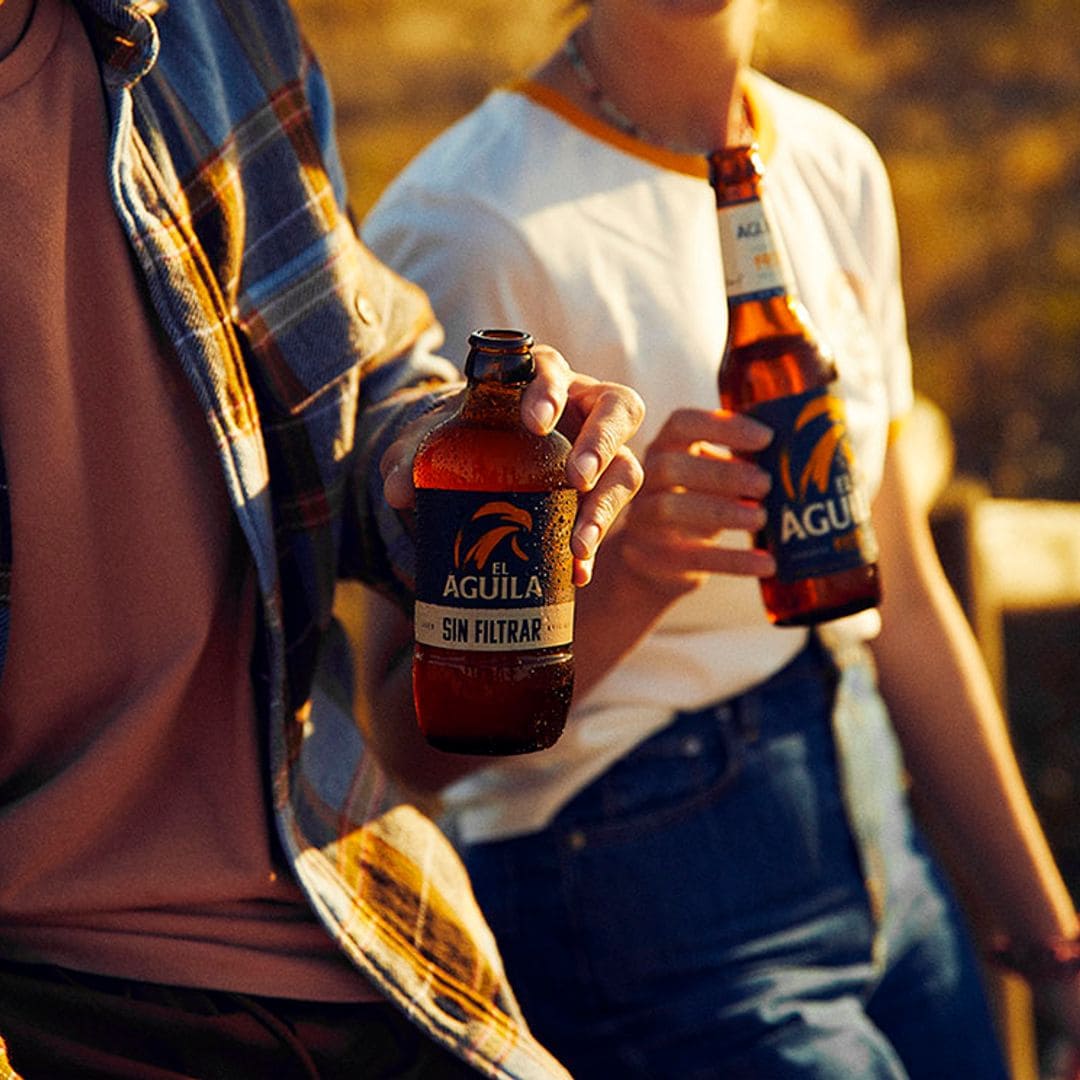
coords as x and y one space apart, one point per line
752 264
494 629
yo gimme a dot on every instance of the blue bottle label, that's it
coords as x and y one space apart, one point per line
494 569
818 513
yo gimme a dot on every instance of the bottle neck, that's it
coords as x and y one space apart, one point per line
501 356
761 295
499 366
761 298
491 400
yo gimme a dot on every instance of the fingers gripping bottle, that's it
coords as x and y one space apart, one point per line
776 369
493 664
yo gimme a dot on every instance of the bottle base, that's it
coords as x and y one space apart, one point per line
814 618
490 747
809 601
491 705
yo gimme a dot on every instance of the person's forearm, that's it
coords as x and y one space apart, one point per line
614 612
961 760
389 723
400 744
381 633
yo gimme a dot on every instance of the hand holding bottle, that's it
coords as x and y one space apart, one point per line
693 518
493 661
776 367
700 489
598 417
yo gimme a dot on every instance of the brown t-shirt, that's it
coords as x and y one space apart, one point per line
134 822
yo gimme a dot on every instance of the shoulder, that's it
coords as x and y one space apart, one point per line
205 25
239 75
458 193
519 156
806 125
481 189
821 150
502 156
238 52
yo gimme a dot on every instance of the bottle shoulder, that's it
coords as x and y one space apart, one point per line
776 365
473 453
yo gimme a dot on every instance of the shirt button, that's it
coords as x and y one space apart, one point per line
692 746
365 309
576 840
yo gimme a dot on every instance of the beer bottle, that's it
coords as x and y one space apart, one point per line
776 368
493 665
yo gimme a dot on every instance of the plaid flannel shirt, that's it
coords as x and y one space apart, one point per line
305 354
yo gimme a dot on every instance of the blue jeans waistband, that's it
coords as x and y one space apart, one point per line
698 756
810 677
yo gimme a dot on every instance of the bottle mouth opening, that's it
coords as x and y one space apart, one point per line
500 355
501 340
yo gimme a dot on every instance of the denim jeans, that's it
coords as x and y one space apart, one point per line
729 901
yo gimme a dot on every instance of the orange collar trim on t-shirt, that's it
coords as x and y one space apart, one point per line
690 164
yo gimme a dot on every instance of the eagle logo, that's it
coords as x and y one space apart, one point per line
819 460
509 524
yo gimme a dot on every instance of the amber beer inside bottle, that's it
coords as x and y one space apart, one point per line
775 368
493 665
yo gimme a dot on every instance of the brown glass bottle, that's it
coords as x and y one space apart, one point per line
776 368
493 664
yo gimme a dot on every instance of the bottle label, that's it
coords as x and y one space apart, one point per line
752 266
494 569
818 513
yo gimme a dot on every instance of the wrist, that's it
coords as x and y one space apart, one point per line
650 573
1048 960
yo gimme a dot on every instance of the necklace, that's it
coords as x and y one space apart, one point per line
612 113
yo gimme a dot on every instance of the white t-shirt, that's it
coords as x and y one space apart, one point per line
530 213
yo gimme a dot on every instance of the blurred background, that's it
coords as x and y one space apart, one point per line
975 106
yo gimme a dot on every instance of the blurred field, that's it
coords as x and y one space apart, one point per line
402 70
976 108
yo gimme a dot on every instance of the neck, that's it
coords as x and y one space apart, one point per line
677 78
14 18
